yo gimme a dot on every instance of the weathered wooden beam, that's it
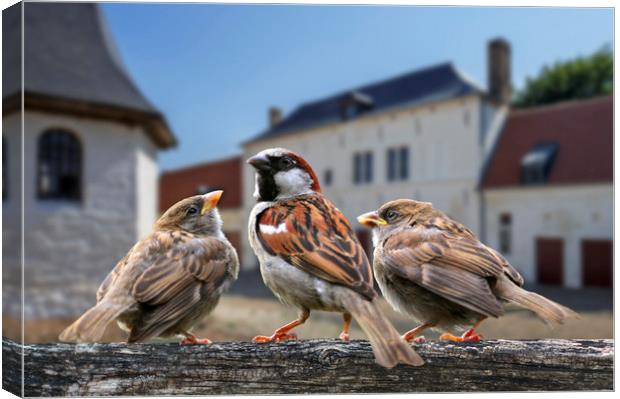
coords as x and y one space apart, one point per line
314 366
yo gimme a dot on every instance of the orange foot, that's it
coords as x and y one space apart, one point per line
192 340
413 338
276 337
344 336
468 336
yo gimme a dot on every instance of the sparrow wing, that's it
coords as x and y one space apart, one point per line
509 271
313 235
111 277
176 280
465 240
457 269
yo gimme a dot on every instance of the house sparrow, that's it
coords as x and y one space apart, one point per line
310 258
168 281
434 269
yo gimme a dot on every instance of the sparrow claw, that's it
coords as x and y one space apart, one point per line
419 340
468 336
262 339
344 336
277 337
192 340
286 337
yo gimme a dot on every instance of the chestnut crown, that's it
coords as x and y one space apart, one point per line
281 173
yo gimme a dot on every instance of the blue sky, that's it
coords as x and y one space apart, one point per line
214 70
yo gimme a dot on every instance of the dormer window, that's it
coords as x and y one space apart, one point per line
537 162
353 104
349 111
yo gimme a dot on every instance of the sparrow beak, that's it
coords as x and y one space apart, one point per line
210 201
371 219
260 162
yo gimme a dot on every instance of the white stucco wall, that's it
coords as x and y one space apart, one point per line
70 246
146 182
572 213
445 157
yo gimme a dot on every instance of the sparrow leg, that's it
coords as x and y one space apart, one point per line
190 339
411 335
468 336
282 333
344 335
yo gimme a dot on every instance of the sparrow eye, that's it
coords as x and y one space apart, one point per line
285 163
192 210
391 215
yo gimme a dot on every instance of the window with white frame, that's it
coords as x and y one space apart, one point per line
362 167
59 169
397 164
505 233
327 177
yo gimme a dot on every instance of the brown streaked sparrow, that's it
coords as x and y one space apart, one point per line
434 269
168 281
309 255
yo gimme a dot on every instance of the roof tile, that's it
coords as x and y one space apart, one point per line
583 130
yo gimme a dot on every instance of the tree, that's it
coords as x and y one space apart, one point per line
583 77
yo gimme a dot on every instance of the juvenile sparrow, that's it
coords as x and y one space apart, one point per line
168 281
434 269
310 258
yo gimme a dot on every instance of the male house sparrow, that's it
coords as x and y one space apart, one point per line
168 281
310 258
437 271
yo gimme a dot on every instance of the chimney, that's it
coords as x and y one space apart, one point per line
275 116
500 91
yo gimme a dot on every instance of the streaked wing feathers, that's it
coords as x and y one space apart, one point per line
160 318
313 235
111 277
456 269
196 261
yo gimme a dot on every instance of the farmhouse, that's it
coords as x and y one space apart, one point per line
536 183
548 193
90 141
423 135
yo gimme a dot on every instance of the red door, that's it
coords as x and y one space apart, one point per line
597 263
550 260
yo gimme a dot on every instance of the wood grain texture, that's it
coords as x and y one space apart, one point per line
312 366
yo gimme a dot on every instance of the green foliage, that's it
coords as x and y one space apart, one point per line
583 77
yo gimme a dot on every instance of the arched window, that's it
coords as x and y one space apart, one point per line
59 169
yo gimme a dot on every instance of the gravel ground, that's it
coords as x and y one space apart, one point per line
251 284
240 318
251 309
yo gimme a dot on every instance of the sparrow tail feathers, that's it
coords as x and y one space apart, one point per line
92 324
388 346
544 308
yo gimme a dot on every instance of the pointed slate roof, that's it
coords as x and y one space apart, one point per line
435 83
72 65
